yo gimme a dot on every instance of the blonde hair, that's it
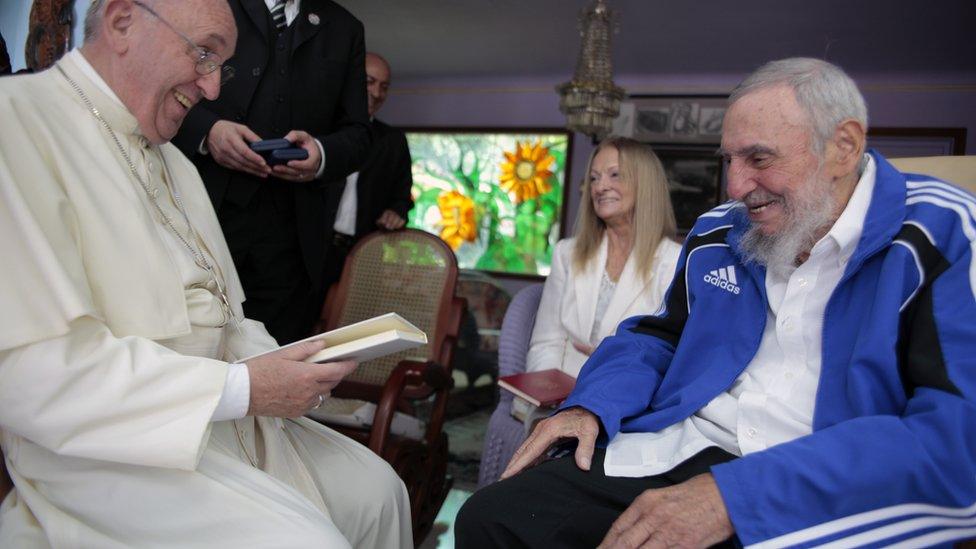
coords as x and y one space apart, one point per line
653 218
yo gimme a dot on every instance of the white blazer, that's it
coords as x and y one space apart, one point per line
569 299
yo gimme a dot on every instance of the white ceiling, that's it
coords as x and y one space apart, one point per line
438 38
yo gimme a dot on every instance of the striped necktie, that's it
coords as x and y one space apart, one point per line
278 15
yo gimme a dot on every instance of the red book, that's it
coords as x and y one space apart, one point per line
543 388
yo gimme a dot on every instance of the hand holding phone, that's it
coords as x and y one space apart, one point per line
296 169
282 156
278 151
268 145
229 145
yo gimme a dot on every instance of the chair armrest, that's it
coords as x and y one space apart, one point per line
406 373
516 332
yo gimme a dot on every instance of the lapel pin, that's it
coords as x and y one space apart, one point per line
313 18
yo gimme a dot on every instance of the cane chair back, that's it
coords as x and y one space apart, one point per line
410 272
414 274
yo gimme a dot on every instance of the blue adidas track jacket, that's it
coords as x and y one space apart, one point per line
892 456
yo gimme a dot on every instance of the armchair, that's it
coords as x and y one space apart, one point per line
505 433
960 170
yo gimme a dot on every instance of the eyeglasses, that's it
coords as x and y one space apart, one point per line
205 60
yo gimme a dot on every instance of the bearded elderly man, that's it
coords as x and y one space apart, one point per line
812 376
122 422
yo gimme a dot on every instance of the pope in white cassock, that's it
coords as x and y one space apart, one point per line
122 422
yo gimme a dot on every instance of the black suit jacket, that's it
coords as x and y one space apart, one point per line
384 180
327 93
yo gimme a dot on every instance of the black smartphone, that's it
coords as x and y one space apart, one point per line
266 145
282 156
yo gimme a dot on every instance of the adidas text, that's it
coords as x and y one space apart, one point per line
724 278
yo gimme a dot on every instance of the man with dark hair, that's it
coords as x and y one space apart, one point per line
812 377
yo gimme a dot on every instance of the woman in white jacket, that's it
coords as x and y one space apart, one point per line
619 264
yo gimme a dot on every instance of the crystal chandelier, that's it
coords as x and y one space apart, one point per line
591 100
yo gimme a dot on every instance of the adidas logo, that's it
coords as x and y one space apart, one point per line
724 278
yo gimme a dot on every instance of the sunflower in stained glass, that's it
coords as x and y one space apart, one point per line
525 172
457 219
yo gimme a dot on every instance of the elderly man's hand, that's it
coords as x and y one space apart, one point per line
229 144
390 220
584 348
300 170
284 386
690 514
576 423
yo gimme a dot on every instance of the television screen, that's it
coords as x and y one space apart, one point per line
495 196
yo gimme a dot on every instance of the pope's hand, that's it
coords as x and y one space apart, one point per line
575 423
690 514
229 144
284 386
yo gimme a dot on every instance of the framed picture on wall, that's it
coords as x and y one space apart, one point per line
672 118
695 181
684 131
495 195
909 142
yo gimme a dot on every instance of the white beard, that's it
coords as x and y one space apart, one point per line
809 212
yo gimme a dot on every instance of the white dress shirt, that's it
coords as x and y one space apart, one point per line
345 222
773 400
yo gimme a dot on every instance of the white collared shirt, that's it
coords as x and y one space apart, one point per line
345 221
772 401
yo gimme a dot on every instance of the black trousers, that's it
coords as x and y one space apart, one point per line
263 241
556 504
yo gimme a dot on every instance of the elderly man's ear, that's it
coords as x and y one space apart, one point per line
117 24
843 152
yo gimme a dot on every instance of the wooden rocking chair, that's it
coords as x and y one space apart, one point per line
414 274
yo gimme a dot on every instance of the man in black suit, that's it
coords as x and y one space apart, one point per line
378 195
299 75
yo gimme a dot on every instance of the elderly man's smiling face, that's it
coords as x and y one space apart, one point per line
164 83
767 143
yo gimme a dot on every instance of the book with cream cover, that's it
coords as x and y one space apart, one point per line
362 341
543 388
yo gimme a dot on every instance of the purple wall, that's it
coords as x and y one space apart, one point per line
924 100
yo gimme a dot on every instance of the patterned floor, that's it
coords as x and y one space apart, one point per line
468 413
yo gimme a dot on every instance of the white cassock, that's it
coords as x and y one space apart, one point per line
113 358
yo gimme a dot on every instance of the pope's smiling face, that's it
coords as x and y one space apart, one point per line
165 84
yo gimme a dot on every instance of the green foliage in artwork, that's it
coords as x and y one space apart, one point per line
486 227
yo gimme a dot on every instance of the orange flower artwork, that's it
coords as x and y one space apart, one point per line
525 172
457 219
